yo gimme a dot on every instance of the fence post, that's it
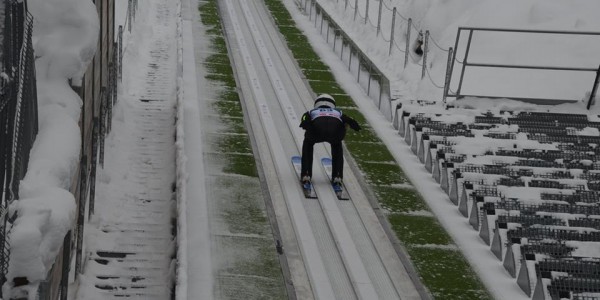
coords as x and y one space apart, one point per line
64 281
379 17
392 31
129 14
322 19
80 216
448 71
407 41
94 161
334 38
355 9
367 12
594 89
425 49
120 52
312 4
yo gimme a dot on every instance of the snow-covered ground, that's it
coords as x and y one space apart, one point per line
65 38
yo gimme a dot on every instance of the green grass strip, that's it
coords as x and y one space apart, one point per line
252 269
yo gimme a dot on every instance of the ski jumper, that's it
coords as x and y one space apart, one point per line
324 124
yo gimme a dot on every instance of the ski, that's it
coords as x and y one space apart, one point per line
309 191
339 189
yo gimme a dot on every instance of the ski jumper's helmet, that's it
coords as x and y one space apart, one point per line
325 100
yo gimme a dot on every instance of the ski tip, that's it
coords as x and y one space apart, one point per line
326 160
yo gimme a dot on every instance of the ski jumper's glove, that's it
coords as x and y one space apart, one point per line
306 121
352 123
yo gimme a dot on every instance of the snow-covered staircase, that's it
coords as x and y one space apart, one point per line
130 239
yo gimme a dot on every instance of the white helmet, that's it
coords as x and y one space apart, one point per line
324 100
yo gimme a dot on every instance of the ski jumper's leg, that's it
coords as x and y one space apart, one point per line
307 156
337 158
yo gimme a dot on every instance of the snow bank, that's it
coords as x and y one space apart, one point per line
64 38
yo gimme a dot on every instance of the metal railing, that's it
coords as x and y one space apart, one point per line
368 76
18 113
467 46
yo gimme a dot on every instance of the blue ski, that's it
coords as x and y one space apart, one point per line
339 189
309 191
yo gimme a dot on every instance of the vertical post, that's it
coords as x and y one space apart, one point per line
129 14
334 38
81 213
94 161
64 280
425 49
349 58
310 11
355 9
314 4
367 12
346 5
369 81
305 1
408 30
392 31
358 71
464 66
120 52
342 49
594 89
448 73
327 35
322 19
379 17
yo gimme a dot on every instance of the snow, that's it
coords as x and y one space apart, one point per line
65 35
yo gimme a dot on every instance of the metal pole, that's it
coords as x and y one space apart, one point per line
81 215
120 52
358 71
367 12
379 17
448 71
129 14
392 31
407 42
594 89
314 3
425 45
334 38
322 19
64 280
355 9
464 66
350 59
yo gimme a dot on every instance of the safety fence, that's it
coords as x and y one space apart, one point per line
368 76
405 38
18 114
411 41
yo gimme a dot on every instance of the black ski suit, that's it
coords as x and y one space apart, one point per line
324 124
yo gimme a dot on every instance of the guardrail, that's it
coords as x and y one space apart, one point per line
466 47
368 75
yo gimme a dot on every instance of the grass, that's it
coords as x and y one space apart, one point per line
442 268
247 265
